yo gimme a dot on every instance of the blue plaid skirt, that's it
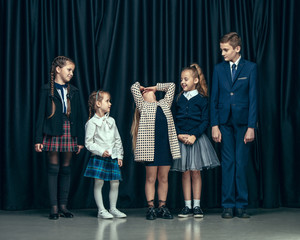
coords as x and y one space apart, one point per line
104 168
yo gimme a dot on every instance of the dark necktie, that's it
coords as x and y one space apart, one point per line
233 71
60 87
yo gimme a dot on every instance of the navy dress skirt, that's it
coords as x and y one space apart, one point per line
162 152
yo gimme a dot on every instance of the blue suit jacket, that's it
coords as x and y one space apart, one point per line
238 96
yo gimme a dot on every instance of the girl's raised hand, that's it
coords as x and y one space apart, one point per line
153 88
38 147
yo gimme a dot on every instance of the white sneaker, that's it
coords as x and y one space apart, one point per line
104 214
118 214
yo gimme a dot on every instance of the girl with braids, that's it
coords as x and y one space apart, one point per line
191 121
59 132
155 142
103 140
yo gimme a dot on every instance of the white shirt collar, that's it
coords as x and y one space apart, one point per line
190 94
236 62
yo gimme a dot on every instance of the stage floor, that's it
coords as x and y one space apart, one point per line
275 224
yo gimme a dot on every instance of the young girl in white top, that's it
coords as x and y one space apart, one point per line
102 139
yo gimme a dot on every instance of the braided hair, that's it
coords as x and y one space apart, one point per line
59 61
93 98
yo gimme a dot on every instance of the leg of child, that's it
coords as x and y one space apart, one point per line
197 185
151 174
162 192
102 212
186 187
113 197
64 184
187 194
53 169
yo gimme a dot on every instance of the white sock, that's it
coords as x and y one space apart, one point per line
98 193
188 203
113 193
196 202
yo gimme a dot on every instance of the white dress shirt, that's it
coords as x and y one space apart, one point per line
101 134
236 64
190 94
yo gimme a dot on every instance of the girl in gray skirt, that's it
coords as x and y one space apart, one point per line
191 122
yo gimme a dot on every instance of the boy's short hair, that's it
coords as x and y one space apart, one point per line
233 39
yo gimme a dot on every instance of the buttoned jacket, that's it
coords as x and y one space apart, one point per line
145 144
54 126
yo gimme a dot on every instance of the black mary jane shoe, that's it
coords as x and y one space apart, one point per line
66 214
151 214
53 216
163 212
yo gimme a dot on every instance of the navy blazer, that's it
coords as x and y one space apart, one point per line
54 125
238 96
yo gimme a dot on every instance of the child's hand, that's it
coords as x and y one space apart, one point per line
79 148
190 140
182 137
38 147
249 136
106 154
216 134
142 88
148 89
120 162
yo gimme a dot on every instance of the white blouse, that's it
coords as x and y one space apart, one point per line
101 134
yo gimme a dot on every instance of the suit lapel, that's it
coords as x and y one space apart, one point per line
227 74
239 69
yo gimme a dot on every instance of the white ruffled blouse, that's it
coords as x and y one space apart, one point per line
101 134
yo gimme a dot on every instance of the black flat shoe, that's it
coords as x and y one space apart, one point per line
241 213
53 216
163 212
66 214
151 214
227 213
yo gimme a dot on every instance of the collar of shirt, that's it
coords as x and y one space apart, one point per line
236 63
190 94
105 120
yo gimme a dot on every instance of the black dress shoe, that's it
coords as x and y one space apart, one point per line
163 212
197 212
241 213
185 212
227 213
66 214
53 216
151 214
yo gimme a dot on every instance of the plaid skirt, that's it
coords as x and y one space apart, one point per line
63 143
104 168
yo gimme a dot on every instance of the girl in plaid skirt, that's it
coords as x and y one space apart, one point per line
59 132
103 140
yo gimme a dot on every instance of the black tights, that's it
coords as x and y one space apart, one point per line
59 176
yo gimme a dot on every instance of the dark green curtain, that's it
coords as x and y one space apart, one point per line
117 42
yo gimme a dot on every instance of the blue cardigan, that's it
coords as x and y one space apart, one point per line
191 116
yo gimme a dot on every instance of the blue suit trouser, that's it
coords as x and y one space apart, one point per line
235 154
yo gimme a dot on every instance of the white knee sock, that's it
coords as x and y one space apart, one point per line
113 193
196 203
98 193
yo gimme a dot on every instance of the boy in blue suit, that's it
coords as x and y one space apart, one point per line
233 119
